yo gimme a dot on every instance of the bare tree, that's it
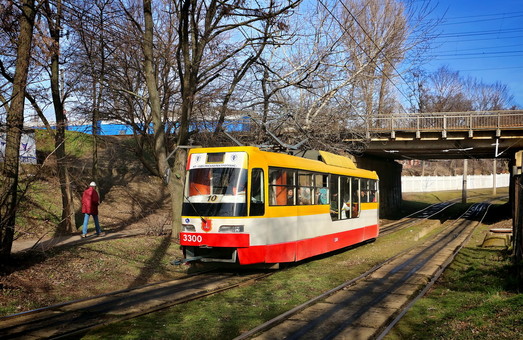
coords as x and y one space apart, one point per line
487 97
15 119
202 53
375 33
294 82
446 91
340 69
53 13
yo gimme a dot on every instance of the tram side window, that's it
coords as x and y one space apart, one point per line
305 188
321 190
373 190
257 198
356 196
282 189
364 190
334 197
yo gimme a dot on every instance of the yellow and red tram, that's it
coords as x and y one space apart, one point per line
248 206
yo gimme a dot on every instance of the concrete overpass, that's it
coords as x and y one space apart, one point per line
441 135
445 135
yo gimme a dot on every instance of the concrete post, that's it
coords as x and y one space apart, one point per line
464 189
517 218
494 179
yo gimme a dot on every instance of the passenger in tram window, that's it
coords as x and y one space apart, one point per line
345 210
364 197
334 207
372 196
355 210
322 196
304 196
290 196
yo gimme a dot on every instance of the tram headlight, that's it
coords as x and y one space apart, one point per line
231 229
188 228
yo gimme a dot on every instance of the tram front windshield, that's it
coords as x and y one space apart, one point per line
215 192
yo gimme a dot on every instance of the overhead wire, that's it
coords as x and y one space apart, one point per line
486 15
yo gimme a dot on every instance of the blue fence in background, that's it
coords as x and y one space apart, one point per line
117 129
105 129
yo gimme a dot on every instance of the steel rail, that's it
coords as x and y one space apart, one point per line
431 283
279 319
77 317
406 222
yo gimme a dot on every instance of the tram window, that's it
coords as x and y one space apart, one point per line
216 157
281 186
200 182
305 190
355 208
367 189
321 189
304 196
373 189
304 179
222 179
334 197
257 200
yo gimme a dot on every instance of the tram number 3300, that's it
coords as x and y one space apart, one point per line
192 238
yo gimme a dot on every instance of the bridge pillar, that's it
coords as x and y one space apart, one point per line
465 174
389 172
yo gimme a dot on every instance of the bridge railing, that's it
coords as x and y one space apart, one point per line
447 121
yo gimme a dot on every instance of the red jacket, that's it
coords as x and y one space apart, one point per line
90 201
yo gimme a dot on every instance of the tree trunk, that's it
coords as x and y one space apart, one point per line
67 220
94 124
15 120
176 181
160 150
176 187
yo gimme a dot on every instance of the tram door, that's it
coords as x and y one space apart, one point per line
345 197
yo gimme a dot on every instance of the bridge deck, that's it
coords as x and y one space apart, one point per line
448 121
444 135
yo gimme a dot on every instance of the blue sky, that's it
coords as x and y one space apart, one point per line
482 39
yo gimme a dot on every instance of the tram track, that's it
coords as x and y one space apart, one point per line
369 305
74 318
416 217
77 317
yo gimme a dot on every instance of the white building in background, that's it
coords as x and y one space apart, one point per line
27 147
442 183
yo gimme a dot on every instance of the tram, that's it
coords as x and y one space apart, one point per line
247 206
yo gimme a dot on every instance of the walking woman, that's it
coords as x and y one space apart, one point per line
90 202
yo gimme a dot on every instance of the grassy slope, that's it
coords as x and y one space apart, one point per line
477 297
130 200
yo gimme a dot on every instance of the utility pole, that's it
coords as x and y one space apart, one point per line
517 218
464 190
494 174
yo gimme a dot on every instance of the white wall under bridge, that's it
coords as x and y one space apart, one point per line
442 183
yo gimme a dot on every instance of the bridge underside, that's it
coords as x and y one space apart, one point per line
445 145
